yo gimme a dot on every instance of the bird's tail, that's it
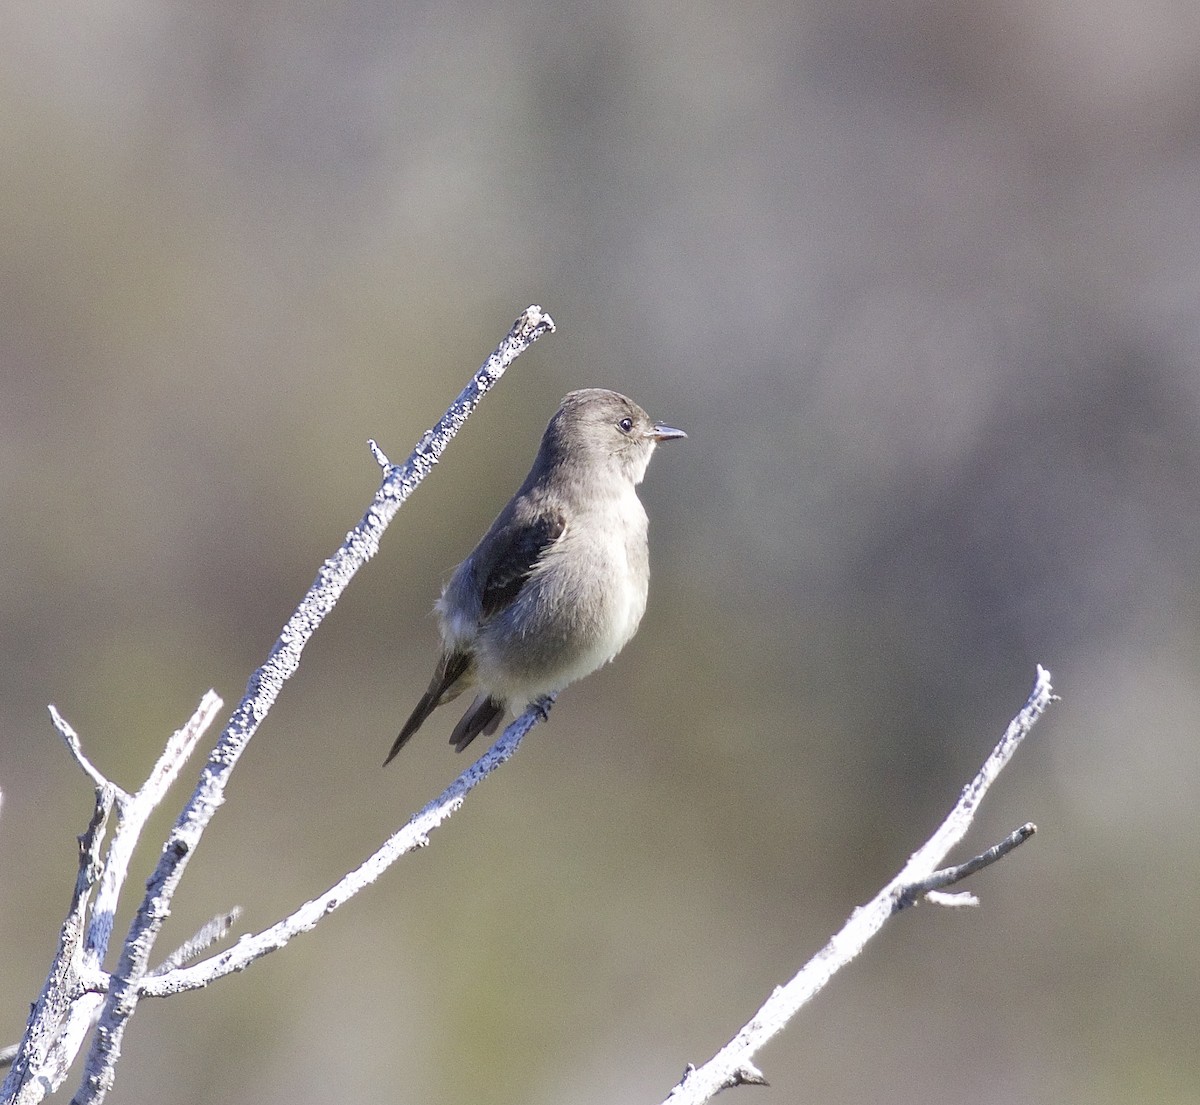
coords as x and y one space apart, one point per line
429 702
450 678
483 717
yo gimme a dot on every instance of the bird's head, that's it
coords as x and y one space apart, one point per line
597 429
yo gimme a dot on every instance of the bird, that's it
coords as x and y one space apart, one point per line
557 585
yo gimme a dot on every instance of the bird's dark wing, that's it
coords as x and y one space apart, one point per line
501 564
518 547
450 669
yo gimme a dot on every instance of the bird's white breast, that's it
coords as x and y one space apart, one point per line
623 558
580 607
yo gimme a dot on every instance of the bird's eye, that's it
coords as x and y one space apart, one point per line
625 425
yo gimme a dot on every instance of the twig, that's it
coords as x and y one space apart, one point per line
209 934
335 574
379 455
948 876
76 749
414 835
732 1065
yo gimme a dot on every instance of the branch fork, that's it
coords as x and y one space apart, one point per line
919 878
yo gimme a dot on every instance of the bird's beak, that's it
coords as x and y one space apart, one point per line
666 433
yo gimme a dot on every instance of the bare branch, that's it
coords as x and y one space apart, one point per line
414 835
81 1002
34 1073
379 455
209 933
730 1065
134 813
961 900
76 748
948 876
335 574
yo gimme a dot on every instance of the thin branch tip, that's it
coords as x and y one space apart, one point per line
1044 685
748 1075
207 935
935 883
533 320
75 747
962 899
380 456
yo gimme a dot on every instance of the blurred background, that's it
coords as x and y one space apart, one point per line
922 283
